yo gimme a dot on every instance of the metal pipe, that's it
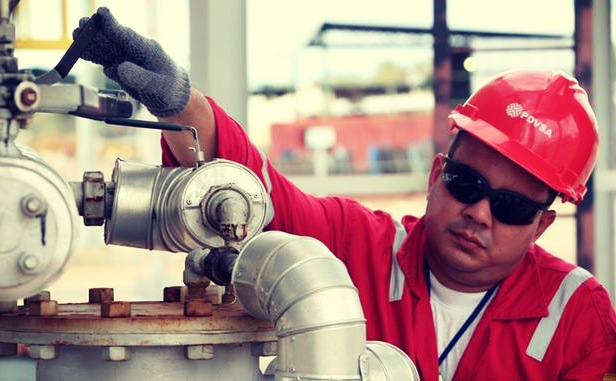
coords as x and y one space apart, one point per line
299 285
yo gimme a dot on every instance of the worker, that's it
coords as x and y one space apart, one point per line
464 289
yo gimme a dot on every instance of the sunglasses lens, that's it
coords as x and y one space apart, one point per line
464 185
512 209
468 187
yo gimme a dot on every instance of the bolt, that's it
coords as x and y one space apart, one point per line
197 308
33 206
199 352
42 352
28 96
99 295
43 295
29 263
115 353
196 292
115 309
229 296
174 294
43 308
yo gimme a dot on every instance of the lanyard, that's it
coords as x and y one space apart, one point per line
482 303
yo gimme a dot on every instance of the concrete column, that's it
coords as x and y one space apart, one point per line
605 176
218 53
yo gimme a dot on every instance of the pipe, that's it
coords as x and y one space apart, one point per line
307 293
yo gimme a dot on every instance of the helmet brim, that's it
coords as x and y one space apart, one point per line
528 160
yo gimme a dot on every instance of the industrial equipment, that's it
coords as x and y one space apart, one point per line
285 297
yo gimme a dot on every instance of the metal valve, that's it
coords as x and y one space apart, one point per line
217 204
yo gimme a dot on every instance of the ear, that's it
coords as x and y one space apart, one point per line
435 171
545 220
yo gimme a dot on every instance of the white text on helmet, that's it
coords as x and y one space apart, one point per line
516 110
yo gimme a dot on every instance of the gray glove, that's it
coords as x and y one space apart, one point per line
139 65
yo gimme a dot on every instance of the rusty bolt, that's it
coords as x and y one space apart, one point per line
94 189
115 309
99 295
193 292
43 295
28 96
229 296
197 308
43 308
174 294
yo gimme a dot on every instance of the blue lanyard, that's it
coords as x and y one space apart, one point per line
482 303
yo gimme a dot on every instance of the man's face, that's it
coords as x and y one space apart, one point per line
467 248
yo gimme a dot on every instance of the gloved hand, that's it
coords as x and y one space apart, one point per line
139 65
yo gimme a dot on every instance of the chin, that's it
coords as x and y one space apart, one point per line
464 261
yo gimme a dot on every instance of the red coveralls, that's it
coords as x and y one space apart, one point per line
548 320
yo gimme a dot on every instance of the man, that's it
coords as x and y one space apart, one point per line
463 290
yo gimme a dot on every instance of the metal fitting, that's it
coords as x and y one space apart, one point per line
115 309
43 308
200 352
42 352
29 263
100 295
115 353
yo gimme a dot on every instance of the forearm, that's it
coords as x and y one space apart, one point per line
198 114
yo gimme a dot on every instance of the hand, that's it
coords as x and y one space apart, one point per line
139 65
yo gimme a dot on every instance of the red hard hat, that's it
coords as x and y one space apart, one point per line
541 120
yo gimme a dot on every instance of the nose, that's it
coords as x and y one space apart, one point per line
479 212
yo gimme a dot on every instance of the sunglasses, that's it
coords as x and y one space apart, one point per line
468 187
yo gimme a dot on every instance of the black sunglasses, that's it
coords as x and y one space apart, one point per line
468 187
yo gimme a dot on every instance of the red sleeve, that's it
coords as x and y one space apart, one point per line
228 131
168 159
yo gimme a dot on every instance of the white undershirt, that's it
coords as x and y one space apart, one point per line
450 309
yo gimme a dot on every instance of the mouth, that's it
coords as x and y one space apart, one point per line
467 240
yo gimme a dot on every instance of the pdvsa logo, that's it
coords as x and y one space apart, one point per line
516 110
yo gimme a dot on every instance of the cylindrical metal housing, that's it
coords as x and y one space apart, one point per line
39 224
160 208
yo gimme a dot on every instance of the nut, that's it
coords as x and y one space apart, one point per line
115 309
43 308
99 295
200 352
115 353
197 308
42 352
174 294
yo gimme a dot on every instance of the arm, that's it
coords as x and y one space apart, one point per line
198 113
591 346
141 67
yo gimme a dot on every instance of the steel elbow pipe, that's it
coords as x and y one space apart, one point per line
307 293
